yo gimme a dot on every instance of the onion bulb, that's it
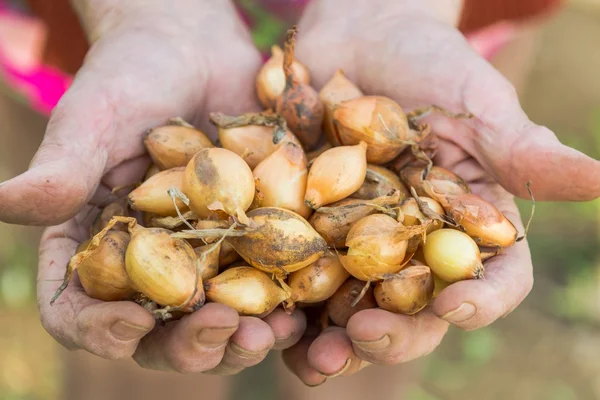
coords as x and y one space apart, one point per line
453 256
377 246
281 180
152 196
208 261
152 170
318 281
270 80
278 241
338 89
102 272
336 174
246 290
227 255
439 285
217 181
412 215
334 222
299 103
339 306
252 136
439 181
380 181
481 220
173 145
113 209
406 292
376 120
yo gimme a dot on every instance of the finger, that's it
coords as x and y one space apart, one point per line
508 278
331 354
247 347
107 329
296 359
288 329
195 343
382 337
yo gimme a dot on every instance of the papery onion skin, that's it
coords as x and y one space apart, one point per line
270 81
245 289
335 174
373 250
227 255
102 273
152 196
208 262
440 182
412 214
337 90
163 268
481 220
113 209
378 121
453 255
378 182
218 181
406 292
172 146
318 281
280 241
339 306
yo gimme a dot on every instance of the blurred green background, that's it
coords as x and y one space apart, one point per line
547 349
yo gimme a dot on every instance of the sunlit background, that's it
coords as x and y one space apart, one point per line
547 349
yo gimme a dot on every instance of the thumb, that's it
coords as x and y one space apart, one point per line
66 169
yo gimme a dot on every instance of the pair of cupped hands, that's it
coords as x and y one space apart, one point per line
153 60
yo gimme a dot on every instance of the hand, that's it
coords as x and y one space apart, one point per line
150 61
408 55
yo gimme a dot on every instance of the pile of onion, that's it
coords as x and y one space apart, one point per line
325 200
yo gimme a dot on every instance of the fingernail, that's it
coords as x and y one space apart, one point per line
237 349
312 385
125 331
373 345
215 337
340 372
461 314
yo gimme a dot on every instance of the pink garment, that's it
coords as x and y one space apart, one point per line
42 86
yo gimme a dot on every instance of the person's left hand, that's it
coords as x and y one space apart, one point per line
410 56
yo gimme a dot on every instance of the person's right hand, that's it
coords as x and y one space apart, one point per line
149 61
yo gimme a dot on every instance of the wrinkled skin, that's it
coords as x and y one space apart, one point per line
144 69
417 60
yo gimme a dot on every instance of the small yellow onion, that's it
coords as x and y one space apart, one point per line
406 292
281 180
113 209
270 80
163 268
227 255
481 220
376 120
246 290
453 256
252 136
208 261
217 181
299 103
102 273
337 90
152 170
278 241
412 215
377 246
336 174
339 306
334 222
152 196
380 181
439 181
318 281
173 145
